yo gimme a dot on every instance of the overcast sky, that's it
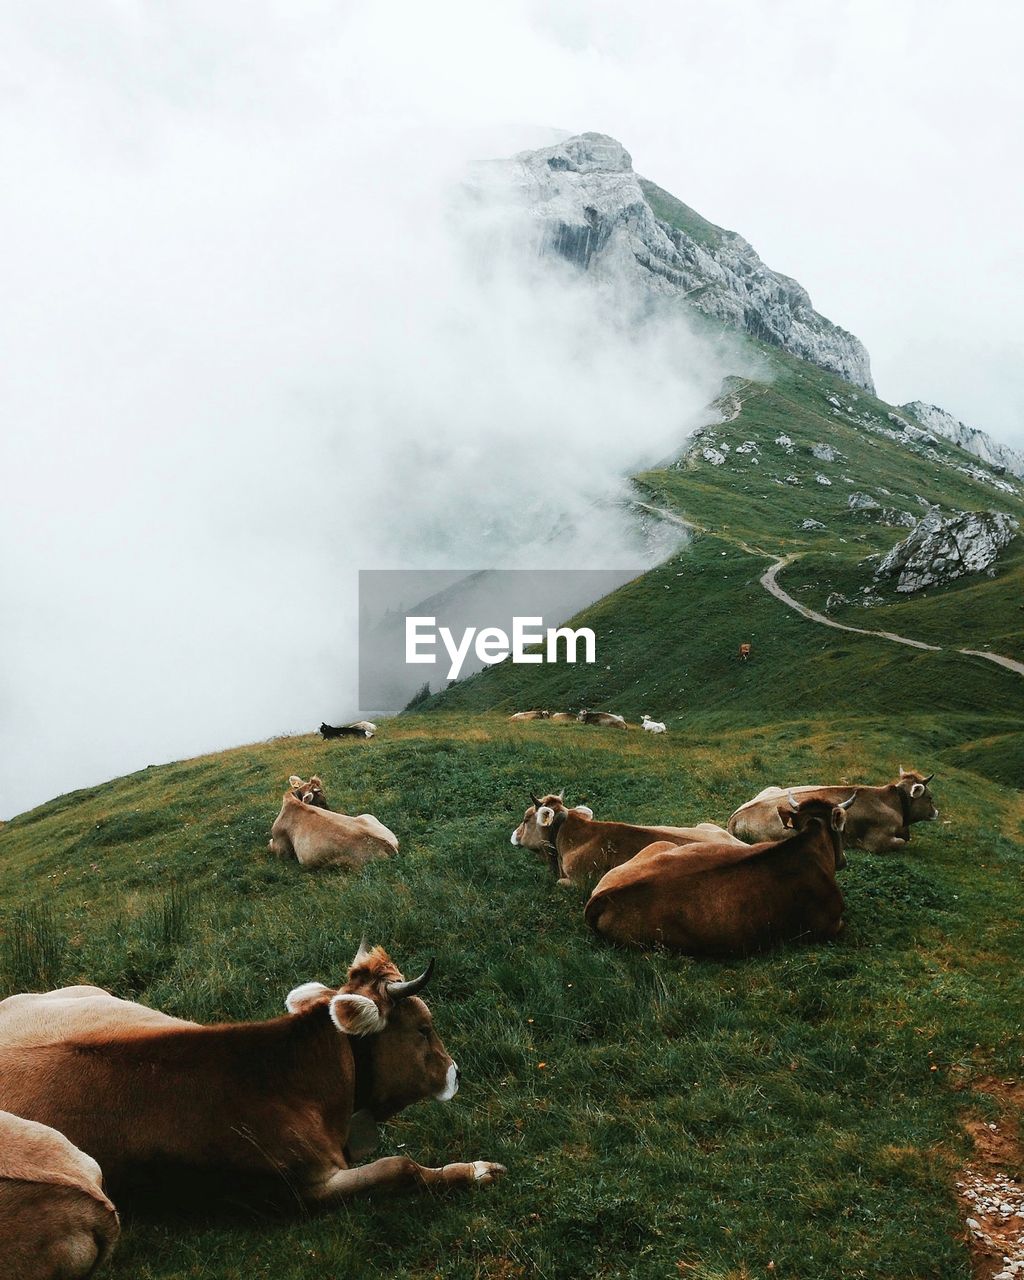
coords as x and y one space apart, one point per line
238 333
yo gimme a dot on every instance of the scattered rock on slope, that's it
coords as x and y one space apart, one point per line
941 548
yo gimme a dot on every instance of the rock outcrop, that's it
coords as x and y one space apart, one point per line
941 548
980 443
590 208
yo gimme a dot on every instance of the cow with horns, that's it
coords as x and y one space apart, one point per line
292 1102
879 821
719 899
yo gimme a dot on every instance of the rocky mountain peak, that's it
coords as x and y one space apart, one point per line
594 211
587 153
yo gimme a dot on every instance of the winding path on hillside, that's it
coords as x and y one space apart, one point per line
769 580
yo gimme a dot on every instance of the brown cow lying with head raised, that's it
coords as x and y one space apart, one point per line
56 1223
579 849
292 1099
718 899
307 830
878 822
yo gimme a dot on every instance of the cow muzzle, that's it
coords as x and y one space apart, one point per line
451 1084
515 838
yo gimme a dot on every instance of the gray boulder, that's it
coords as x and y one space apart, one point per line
941 548
862 502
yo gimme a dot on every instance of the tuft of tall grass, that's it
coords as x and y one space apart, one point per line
33 948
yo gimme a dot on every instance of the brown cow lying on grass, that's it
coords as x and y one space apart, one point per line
878 822
579 849
718 899
318 837
56 1222
291 1100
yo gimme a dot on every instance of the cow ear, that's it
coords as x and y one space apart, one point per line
585 810
545 816
316 780
294 780
785 815
306 996
356 1015
838 819
917 790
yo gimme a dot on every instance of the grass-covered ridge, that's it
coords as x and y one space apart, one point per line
782 1108
659 1116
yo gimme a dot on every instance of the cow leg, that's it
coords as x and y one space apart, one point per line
393 1172
281 846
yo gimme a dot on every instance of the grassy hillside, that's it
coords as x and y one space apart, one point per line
659 1116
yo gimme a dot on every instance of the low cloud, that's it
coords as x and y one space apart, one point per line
250 353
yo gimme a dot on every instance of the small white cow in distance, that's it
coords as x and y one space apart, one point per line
56 1223
652 726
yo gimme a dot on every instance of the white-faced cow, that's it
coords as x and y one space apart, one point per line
318 837
578 849
530 715
878 822
718 899
606 719
56 1222
292 1101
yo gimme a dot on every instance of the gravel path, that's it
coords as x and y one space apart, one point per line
769 580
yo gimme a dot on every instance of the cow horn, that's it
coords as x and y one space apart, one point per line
399 990
536 802
929 778
845 804
792 802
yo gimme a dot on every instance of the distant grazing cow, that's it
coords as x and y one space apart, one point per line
652 726
56 1222
718 899
311 792
879 820
360 729
744 651
291 1102
318 837
605 718
578 848
564 717
530 715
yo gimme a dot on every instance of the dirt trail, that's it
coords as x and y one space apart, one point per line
769 580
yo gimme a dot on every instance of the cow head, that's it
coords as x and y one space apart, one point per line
815 810
407 1061
914 785
311 792
535 829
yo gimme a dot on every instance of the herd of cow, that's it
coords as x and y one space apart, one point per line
90 1082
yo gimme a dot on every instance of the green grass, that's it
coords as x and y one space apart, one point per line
720 1116
659 1116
